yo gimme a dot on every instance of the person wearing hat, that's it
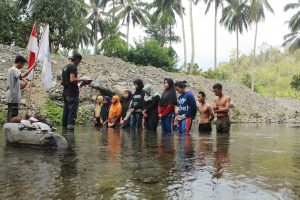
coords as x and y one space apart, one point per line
70 83
16 82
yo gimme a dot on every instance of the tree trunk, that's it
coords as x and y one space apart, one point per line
183 35
114 12
254 57
128 24
96 38
237 48
170 35
192 33
215 35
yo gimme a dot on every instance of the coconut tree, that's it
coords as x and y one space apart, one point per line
95 19
236 18
293 38
257 14
191 3
167 9
183 35
130 11
217 4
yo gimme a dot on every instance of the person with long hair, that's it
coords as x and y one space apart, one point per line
115 112
167 103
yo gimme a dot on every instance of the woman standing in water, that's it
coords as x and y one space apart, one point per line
115 112
150 112
97 111
104 110
136 107
126 100
167 105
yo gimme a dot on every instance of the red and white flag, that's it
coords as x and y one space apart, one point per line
33 48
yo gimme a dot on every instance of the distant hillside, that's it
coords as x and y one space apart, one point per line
273 71
117 75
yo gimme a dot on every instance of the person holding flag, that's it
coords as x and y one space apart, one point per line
16 82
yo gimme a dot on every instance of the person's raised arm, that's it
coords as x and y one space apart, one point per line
24 75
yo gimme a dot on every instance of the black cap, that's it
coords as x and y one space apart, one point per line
76 56
21 59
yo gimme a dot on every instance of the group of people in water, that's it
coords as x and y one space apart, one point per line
176 108
145 107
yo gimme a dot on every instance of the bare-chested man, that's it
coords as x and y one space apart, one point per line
221 108
206 114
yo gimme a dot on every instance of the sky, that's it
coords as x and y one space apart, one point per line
271 31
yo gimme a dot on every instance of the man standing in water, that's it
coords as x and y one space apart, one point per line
221 108
71 91
206 114
15 83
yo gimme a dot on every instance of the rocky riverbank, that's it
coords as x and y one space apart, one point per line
114 75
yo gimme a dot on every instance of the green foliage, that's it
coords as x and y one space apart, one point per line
295 84
215 74
2 117
150 52
53 112
273 74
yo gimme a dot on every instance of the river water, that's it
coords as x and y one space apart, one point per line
253 162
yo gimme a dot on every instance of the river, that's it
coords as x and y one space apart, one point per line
253 162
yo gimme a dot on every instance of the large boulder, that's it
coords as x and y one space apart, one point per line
15 135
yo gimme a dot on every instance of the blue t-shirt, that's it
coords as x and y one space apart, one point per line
187 105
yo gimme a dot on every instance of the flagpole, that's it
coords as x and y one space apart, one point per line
33 73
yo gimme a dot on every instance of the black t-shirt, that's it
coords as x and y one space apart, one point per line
70 89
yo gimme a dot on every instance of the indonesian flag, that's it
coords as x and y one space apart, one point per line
44 57
33 48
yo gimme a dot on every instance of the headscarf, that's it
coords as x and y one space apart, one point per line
139 83
116 108
98 106
169 96
105 108
149 92
126 103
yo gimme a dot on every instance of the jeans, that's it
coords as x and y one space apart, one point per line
70 110
136 120
167 123
13 111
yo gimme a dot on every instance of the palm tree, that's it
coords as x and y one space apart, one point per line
183 35
131 11
114 3
217 5
257 14
167 9
236 18
96 19
192 30
293 39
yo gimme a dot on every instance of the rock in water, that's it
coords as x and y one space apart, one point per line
33 137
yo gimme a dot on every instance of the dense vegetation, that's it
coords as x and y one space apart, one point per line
275 72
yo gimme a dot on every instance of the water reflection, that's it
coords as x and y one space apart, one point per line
130 164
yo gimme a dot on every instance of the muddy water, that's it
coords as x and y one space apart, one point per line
253 162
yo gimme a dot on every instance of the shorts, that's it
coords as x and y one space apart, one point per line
223 124
205 128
